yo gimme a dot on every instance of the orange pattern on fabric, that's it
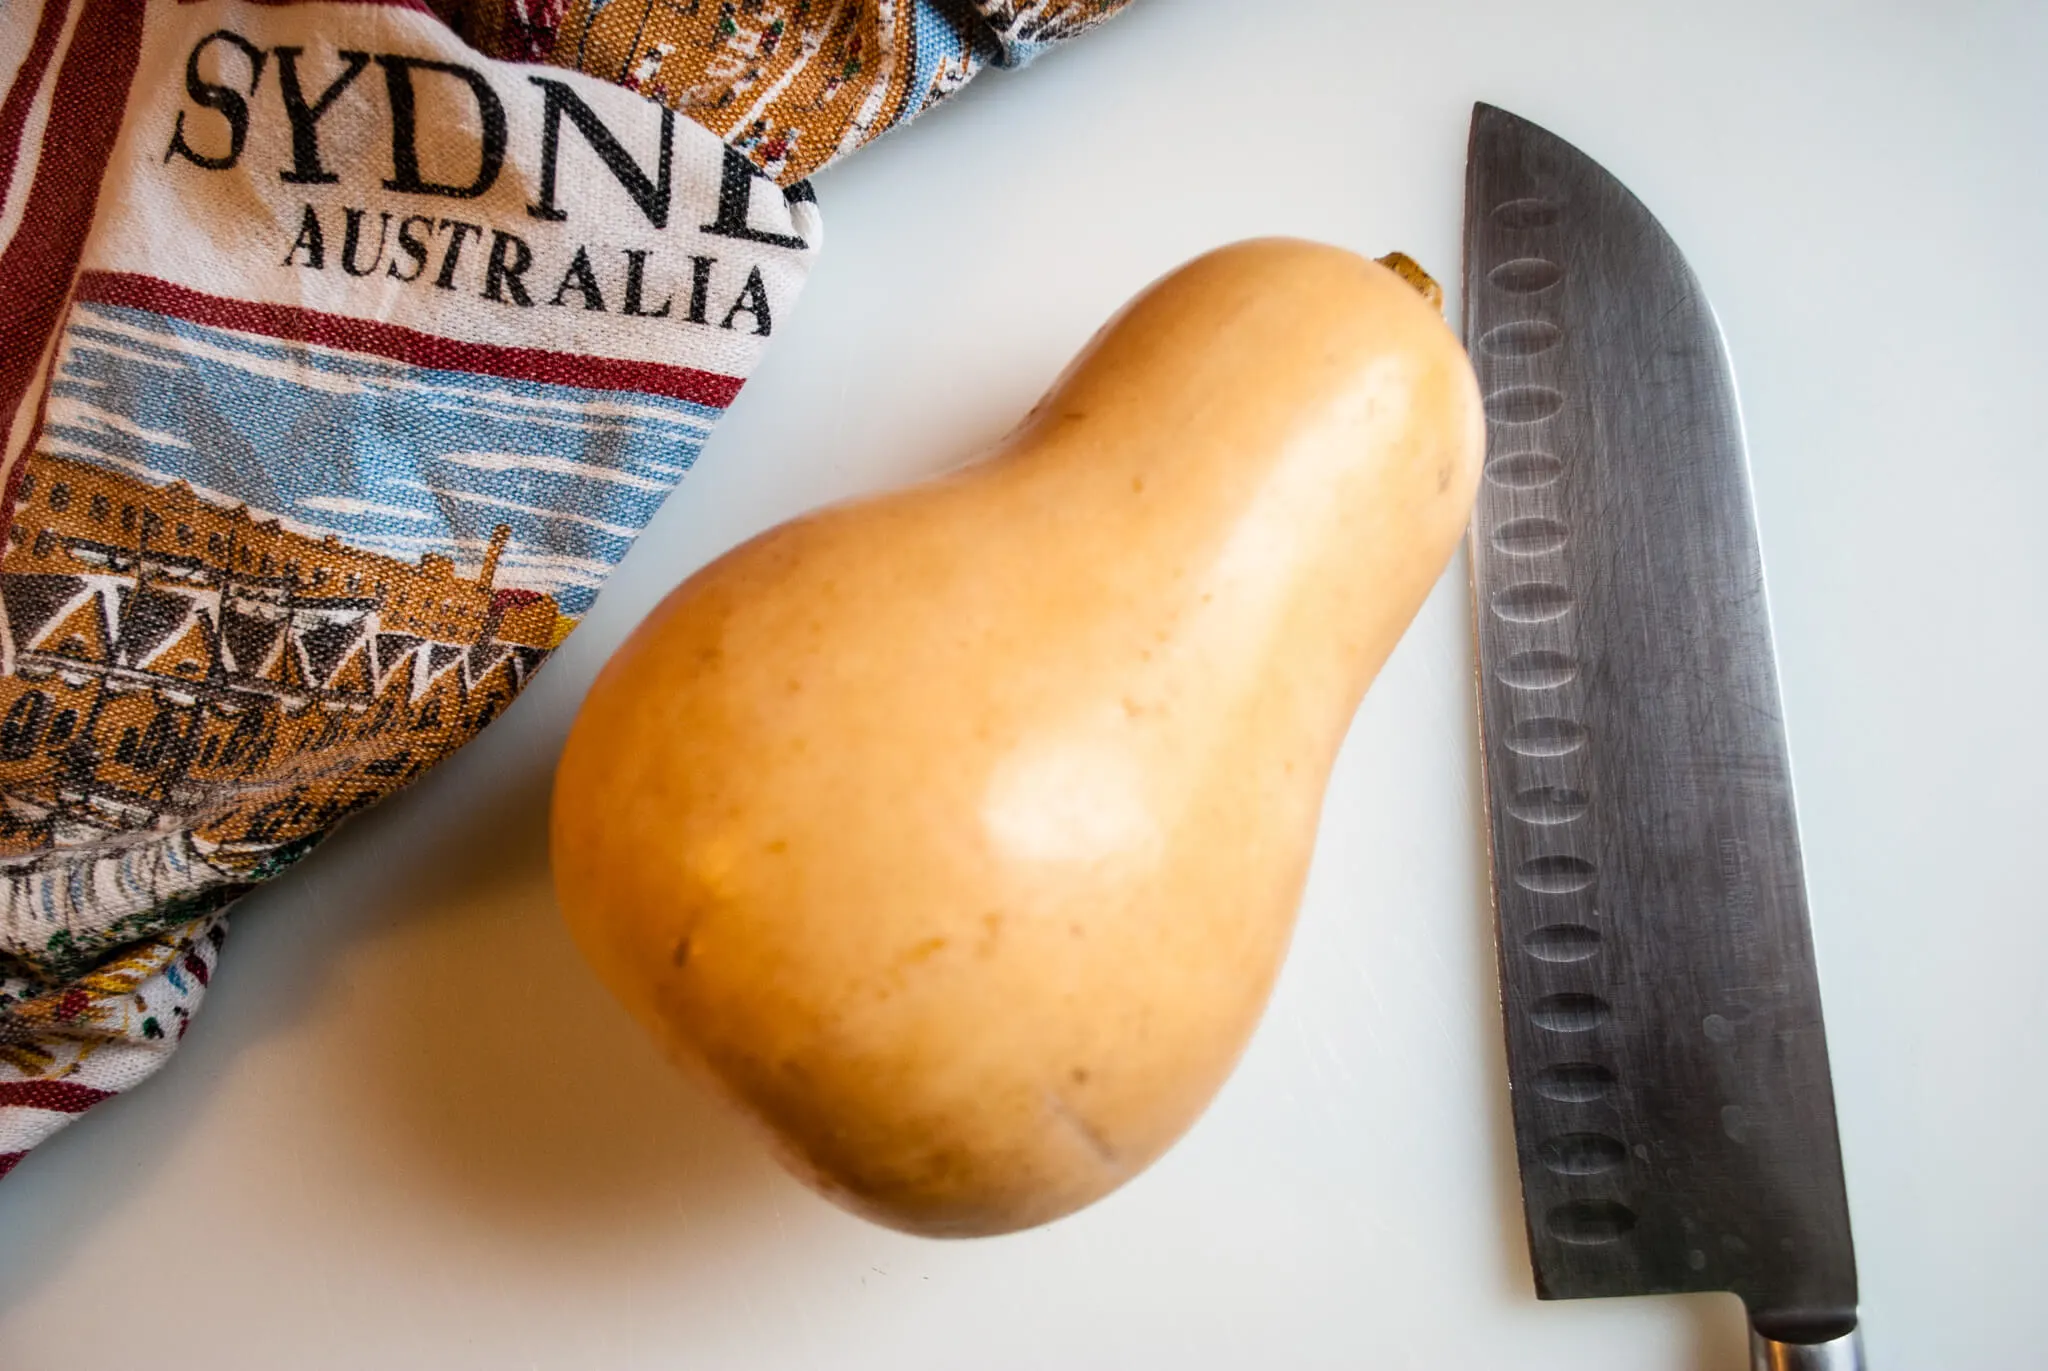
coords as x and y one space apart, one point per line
181 663
795 84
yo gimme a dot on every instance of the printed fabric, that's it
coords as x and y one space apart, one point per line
346 348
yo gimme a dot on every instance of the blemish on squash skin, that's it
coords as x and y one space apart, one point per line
1082 1128
924 951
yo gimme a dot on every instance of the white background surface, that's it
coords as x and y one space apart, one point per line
409 1130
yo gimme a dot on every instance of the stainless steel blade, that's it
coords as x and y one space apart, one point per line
1674 1117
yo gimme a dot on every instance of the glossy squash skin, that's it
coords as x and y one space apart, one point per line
955 835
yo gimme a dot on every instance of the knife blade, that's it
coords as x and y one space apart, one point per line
1668 1072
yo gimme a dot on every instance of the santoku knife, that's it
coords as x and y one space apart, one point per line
1674 1119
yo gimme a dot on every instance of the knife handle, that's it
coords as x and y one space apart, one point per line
1837 1354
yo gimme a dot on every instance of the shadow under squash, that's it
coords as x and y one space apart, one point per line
492 1053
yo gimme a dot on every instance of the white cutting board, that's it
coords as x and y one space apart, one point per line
410 1132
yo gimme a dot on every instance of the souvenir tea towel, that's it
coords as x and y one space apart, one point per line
344 349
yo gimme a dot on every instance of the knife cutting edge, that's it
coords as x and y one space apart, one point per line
1674 1116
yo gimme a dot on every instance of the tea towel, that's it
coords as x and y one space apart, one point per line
344 349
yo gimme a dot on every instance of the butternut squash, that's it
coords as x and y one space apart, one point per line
955 835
